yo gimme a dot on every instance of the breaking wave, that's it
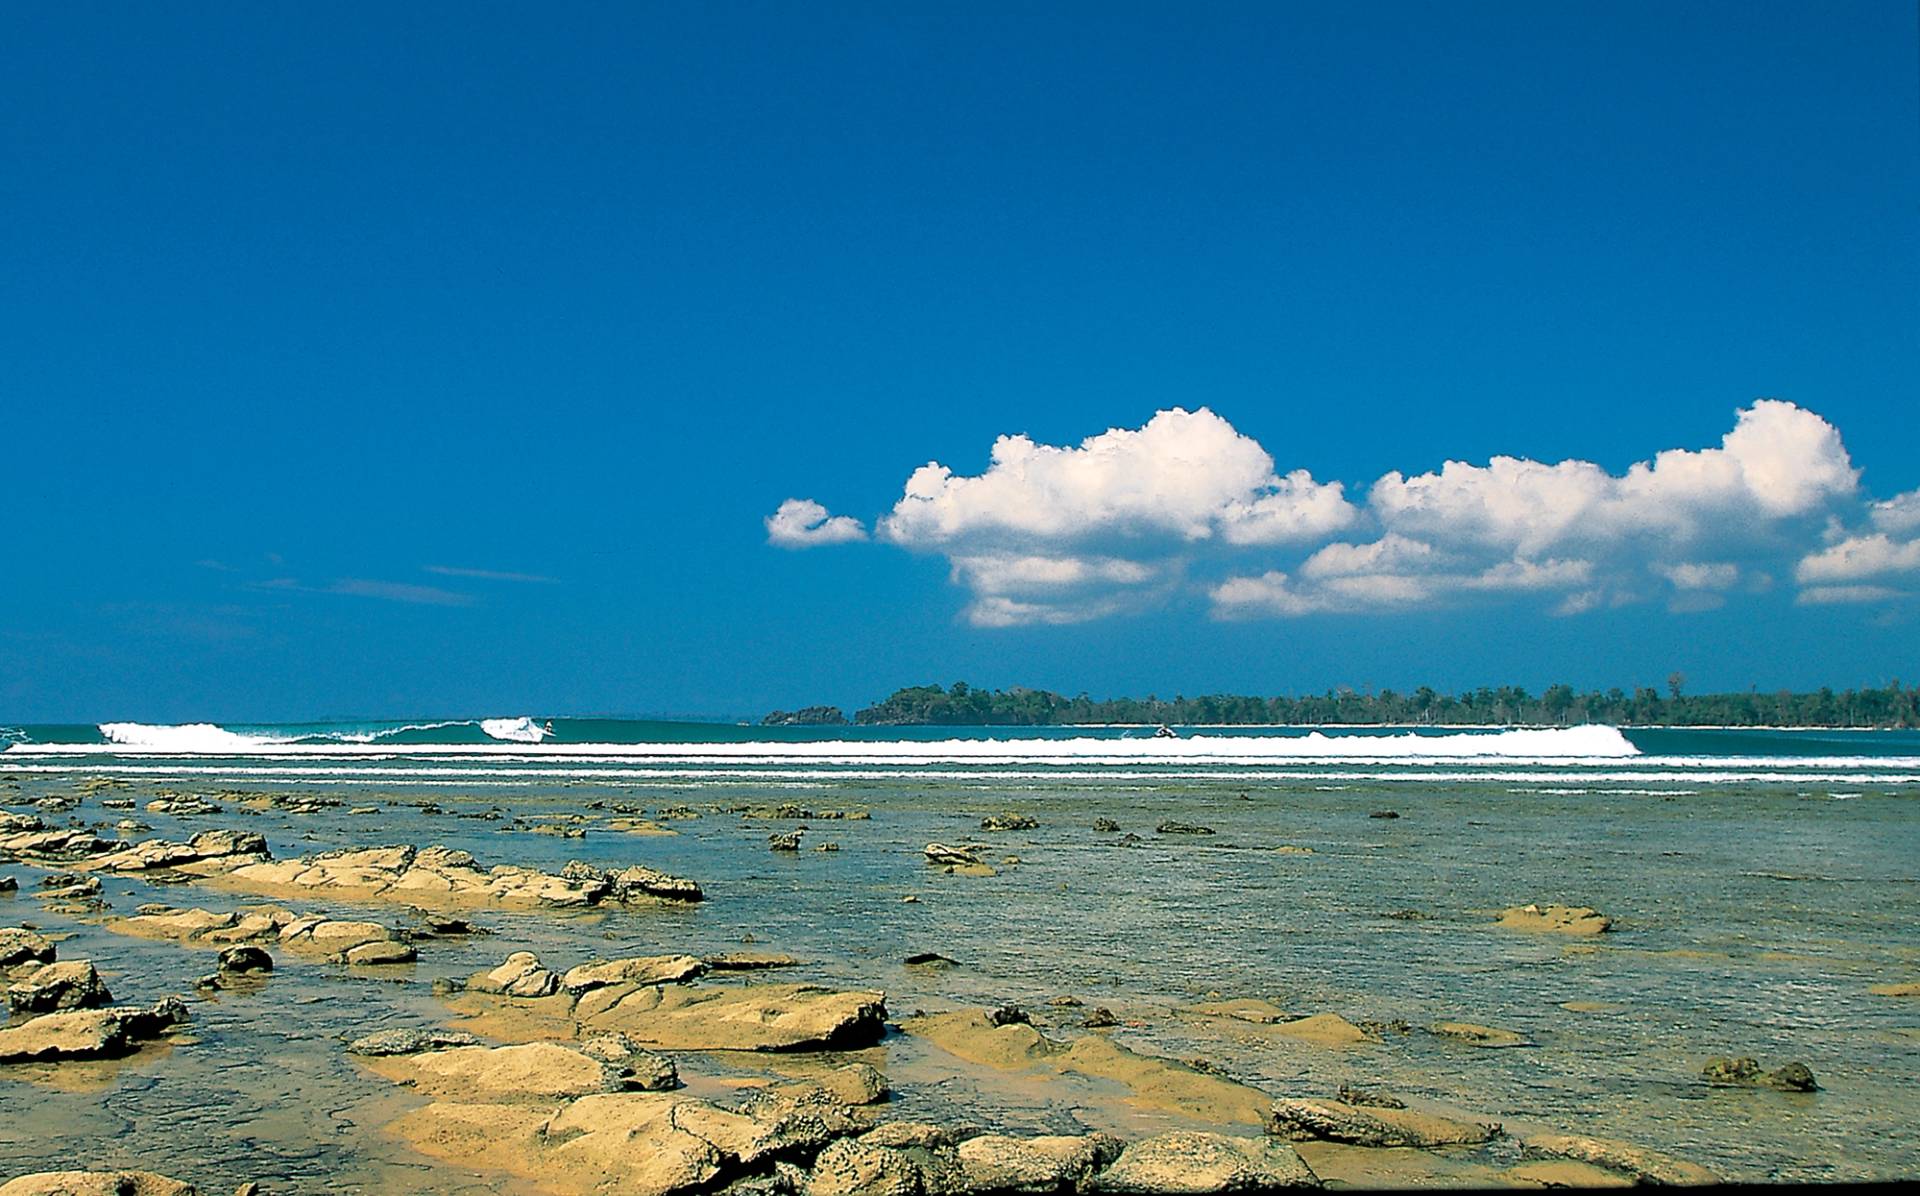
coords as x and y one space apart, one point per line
198 738
515 730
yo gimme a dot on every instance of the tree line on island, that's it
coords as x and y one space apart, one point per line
962 705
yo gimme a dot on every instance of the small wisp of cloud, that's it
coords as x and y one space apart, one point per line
490 574
363 587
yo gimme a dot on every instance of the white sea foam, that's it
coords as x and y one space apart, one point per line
491 770
380 733
513 730
1568 744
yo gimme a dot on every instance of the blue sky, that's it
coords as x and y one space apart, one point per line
315 318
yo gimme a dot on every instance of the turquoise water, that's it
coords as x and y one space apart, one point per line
1762 881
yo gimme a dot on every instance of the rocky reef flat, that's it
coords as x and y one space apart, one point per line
601 1023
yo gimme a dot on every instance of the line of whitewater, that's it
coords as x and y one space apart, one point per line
305 773
1566 743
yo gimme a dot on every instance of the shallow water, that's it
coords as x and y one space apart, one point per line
1752 915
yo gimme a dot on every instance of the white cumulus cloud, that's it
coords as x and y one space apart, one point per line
1187 505
1898 514
804 523
1778 461
1187 475
1857 558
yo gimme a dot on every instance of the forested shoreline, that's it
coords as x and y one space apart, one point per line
962 705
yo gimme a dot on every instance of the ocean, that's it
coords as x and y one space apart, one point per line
1761 882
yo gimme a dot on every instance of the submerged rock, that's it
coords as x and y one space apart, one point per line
1367 1097
749 961
1105 825
1245 1009
1160 1083
410 1041
1745 1072
1556 919
1009 821
1171 827
1480 1036
784 841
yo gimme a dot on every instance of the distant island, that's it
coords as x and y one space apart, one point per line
962 705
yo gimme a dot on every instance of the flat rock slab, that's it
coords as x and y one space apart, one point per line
1334 1121
205 854
1564 1173
87 1034
1644 1165
535 1072
1151 1081
523 994
758 1017
96 1183
1192 1164
25 838
442 876
312 935
673 1145
1049 1163
646 969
